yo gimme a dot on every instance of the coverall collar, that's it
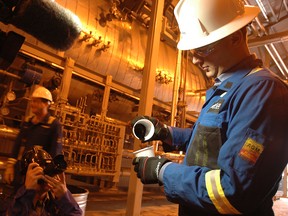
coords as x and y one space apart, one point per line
235 74
44 121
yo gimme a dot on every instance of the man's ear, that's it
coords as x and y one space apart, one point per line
236 37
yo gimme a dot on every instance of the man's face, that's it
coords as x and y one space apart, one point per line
212 59
38 105
42 188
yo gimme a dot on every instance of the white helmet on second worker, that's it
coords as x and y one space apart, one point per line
41 92
202 22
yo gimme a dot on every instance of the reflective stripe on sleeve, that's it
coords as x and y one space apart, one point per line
216 193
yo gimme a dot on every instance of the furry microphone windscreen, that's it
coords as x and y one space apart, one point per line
47 21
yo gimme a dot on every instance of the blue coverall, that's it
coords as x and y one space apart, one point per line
46 134
237 149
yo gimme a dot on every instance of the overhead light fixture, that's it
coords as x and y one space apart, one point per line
136 65
96 42
105 47
86 37
163 77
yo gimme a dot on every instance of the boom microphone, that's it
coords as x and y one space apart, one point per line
47 21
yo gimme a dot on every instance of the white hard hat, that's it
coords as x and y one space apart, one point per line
202 22
42 92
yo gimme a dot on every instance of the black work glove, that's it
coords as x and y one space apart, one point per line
148 168
161 131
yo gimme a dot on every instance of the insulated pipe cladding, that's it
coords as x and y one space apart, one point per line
47 21
143 130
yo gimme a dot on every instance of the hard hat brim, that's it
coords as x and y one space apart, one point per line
189 41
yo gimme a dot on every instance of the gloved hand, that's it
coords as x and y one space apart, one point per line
9 173
161 131
148 168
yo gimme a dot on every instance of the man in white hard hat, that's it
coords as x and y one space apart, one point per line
42 130
237 149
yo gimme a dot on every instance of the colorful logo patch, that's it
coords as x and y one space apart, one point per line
251 150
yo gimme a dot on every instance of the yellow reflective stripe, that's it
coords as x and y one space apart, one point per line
216 193
209 187
222 195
